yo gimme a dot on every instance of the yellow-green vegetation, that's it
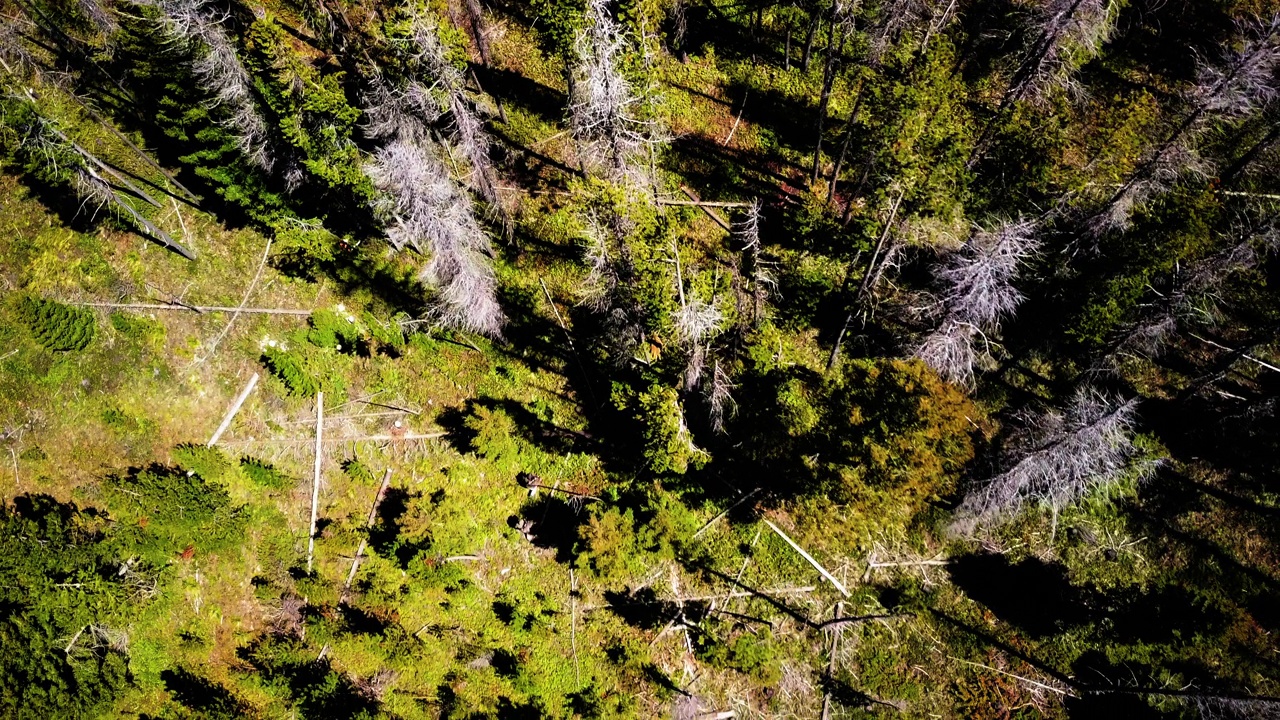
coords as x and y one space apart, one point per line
590 359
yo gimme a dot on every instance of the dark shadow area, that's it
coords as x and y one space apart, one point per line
1032 595
642 608
386 537
552 523
511 87
202 695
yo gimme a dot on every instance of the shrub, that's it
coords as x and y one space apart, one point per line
43 543
668 446
170 511
136 328
389 333
207 462
304 373
749 653
55 326
265 474
334 331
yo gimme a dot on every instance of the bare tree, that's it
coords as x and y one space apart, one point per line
603 115
428 212
102 17
41 140
1193 293
1240 83
467 131
1067 33
1064 456
198 27
978 296
760 282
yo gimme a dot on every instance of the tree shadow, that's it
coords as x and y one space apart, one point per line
386 537
1004 588
512 87
313 685
202 695
552 524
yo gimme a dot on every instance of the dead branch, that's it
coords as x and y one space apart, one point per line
830 578
373 515
705 208
315 481
248 292
193 308
235 408
1050 688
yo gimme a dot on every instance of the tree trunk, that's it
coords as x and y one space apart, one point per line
815 19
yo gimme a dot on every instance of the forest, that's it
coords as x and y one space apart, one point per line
690 359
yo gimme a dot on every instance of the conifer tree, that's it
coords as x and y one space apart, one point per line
199 28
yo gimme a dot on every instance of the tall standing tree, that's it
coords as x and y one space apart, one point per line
197 26
1062 456
612 136
1241 82
978 296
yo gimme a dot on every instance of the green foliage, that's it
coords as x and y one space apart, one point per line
170 510
138 328
668 446
305 371
208 462
882 427
56 326
389 333
264 474
334 330
310 110
751 653
57 570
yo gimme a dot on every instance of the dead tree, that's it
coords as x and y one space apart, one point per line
979 295
603 113
425 210
1238 85
1066 32
1191 295
466 128
197 28
1064 457
63 160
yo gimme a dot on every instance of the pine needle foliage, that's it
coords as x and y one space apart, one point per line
57 327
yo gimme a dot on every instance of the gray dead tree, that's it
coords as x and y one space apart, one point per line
1067 33
197 27
466 129
1234 87
603 113
978 296
40 139
1065 455
427 211
1193 294
100 16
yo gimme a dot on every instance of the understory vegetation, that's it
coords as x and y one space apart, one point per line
639 358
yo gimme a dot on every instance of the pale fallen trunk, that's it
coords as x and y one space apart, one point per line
194 308
373 515
830 578
235 408
831 663
315 481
